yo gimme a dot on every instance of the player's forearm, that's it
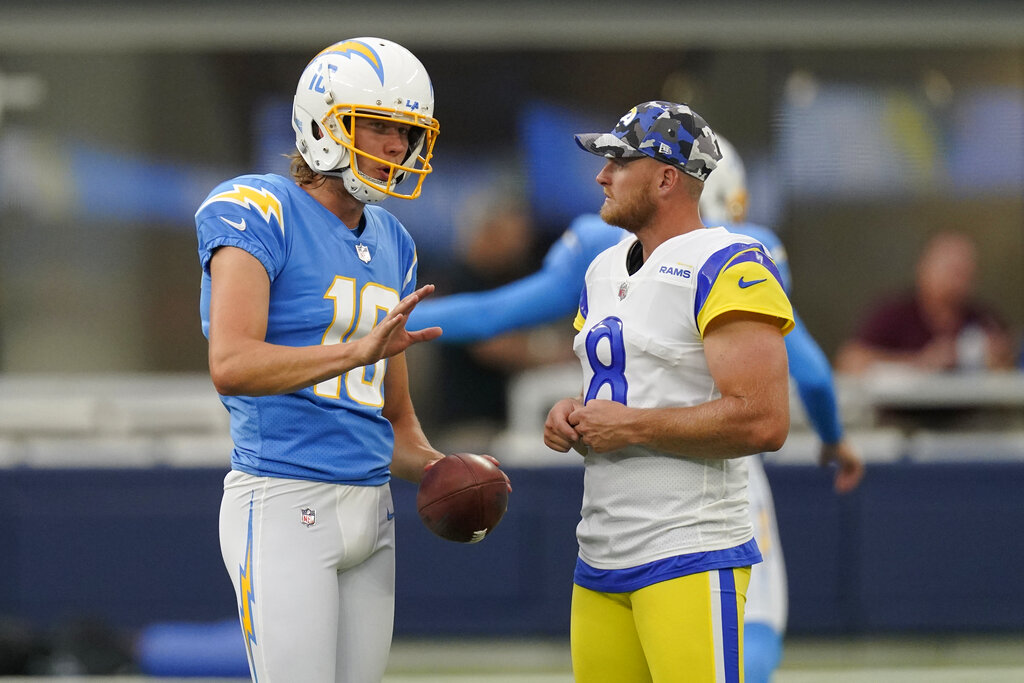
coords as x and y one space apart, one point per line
816 389
822 410
728 427
474 316
461 318
812 374
412 451
259 369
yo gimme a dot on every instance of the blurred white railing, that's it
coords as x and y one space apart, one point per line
177 419
111 421
869 408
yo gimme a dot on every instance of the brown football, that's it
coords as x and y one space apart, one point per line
462 497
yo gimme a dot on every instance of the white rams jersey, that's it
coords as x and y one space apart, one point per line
641 343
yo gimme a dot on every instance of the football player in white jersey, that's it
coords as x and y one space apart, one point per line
306 290
547 295
684 373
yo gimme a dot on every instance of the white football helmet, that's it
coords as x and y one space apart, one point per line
724 198
370 78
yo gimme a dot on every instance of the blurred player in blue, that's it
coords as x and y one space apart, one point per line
553 293
306 290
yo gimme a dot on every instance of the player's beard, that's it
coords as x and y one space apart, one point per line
631 211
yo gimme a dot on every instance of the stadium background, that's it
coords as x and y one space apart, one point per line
863 127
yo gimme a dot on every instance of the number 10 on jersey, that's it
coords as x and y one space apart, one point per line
353 319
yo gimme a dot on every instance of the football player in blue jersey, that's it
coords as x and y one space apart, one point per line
306 290
552 293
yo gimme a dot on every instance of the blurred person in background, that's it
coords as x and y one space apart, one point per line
496 237
305 291
938 326
551 294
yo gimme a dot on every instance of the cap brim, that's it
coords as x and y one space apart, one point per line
606 145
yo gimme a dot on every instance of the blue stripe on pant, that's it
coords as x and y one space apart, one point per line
730 625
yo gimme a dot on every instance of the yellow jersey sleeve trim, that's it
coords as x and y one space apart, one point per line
747 286
579 321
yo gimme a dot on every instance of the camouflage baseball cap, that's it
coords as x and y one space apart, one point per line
665 131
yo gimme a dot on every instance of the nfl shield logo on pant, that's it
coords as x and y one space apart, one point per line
308 516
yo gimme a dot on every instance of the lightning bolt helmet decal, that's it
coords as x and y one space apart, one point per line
348 48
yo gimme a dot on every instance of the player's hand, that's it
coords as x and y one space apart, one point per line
482 455
559 434
433 461
850 468
599 424
498 465
390 337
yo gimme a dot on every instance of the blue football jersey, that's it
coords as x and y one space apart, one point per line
327 285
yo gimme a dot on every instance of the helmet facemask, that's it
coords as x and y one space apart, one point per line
339 124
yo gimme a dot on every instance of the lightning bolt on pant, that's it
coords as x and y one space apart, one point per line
313 567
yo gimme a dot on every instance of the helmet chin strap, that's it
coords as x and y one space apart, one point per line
340 173
363 190
336 173
360 186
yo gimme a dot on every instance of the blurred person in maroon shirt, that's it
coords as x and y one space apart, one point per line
938 326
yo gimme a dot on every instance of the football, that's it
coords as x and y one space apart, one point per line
462 497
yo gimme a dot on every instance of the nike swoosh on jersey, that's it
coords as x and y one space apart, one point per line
237 225
744 284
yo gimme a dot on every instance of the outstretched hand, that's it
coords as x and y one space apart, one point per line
389 337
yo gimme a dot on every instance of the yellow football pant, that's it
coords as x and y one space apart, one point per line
685 629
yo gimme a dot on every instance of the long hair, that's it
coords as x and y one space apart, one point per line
302 173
